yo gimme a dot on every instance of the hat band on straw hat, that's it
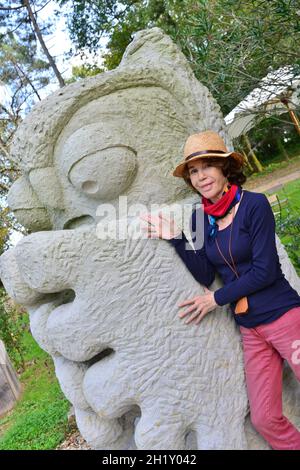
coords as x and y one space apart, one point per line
202 152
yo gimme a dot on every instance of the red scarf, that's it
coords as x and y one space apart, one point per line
220 208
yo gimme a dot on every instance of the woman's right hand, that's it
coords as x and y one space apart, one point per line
159 226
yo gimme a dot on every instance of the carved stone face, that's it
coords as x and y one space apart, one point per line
121 144
106 310
116 146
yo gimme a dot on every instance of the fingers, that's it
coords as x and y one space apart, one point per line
171 220
187 302
155 219
202 315
196 318
164 227
151 229
147 218
189 310
199 308
193 317
151 232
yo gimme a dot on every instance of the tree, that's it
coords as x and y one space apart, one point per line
234 44
83 71
20 18
230 44
23 73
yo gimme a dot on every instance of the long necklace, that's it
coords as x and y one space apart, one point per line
242 304
232 268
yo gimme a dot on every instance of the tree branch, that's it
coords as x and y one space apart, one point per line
12 8
42 43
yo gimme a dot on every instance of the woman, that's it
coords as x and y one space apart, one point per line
239 244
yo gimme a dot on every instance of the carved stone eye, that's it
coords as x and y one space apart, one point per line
104 174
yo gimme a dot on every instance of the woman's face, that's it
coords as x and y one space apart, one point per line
207 179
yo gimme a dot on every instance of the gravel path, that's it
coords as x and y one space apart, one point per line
74 442
274 180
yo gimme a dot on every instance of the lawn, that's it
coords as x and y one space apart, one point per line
288 227
39 420
292 192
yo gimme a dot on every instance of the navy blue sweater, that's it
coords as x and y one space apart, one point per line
256 259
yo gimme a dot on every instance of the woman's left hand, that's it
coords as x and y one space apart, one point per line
200 306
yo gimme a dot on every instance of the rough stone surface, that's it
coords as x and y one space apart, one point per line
106 310
10 387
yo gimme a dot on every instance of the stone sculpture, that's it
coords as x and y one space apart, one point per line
10 387
106 310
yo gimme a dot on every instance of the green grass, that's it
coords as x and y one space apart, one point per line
39 420
288 229
292 192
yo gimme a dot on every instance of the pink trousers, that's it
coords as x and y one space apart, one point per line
265 347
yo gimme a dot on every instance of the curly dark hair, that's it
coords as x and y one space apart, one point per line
230 167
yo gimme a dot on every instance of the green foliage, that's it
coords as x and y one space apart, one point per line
40 429
12 326
90 19
230 44
37 429
4 229
275 139
39 420
289 233
83 71
288 225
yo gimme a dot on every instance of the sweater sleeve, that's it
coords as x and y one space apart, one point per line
263 271
195 260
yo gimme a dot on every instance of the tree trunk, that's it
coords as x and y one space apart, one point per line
282 149
248 162
37 31
251 155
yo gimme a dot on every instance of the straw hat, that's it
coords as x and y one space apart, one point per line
202 145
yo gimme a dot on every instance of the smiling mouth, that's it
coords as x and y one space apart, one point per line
206 186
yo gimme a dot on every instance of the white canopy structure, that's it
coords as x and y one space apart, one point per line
279 92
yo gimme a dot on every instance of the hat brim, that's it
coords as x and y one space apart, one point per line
181 166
